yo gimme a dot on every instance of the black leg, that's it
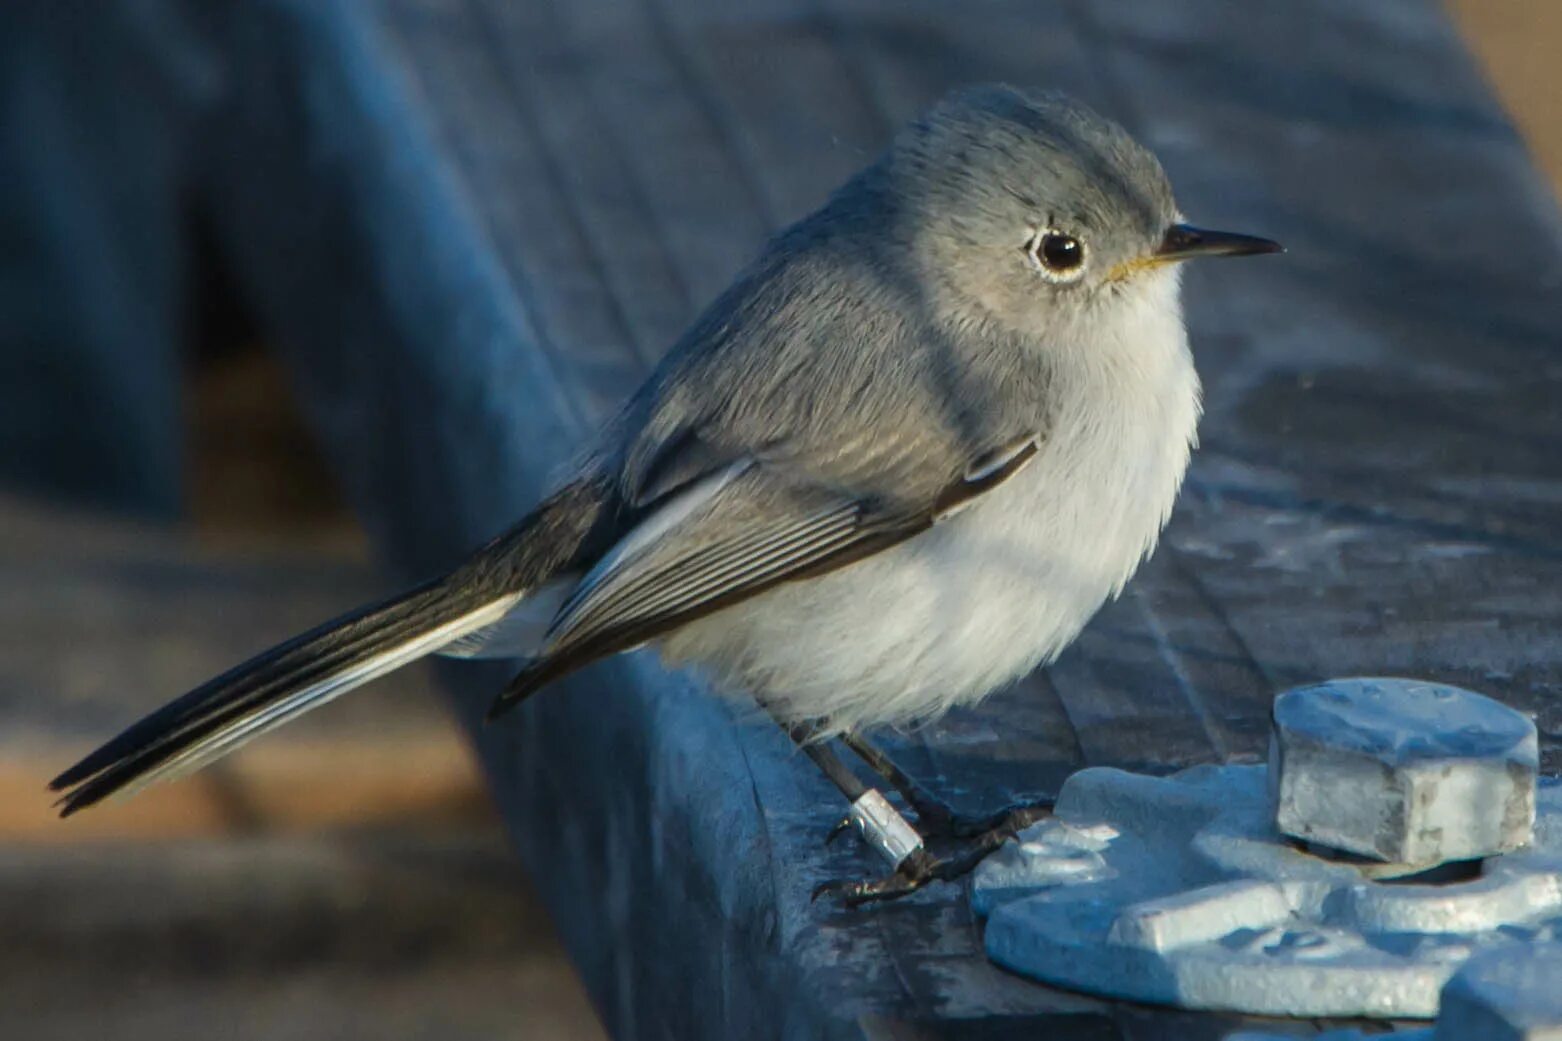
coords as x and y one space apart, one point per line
877 821
963 842
935 818
916 871
969 840
828 762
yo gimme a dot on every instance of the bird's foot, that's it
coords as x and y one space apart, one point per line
963 843
938 821
918 869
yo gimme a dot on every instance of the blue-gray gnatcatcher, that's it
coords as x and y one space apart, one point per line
897 465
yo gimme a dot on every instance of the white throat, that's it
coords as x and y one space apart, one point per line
1128 420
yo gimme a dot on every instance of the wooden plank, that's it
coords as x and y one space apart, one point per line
549 83
692 198
492 133
790 107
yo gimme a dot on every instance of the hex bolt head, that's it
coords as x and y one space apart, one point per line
1402 771
1509 994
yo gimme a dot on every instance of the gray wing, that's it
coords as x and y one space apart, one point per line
730 535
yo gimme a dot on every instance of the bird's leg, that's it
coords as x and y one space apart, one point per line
957 855
879 823
936 819
933 815
918 869
883 828
969 839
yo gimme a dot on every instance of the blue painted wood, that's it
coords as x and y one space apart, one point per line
475 223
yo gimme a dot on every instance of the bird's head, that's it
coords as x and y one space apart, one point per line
1035 210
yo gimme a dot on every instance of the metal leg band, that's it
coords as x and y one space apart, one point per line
883 828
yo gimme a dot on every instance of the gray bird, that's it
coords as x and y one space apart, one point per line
896 466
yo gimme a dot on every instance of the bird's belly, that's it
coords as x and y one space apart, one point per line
941 620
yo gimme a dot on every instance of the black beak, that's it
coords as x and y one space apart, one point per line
1183 242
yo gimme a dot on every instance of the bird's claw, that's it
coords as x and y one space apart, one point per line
921 867
937 821
971 839
913 873
1010 820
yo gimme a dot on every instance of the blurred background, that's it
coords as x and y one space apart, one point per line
148 541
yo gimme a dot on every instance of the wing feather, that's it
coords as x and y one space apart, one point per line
729 536
686 570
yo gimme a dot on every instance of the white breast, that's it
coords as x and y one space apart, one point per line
986 596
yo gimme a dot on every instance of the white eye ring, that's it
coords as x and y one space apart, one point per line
1056 255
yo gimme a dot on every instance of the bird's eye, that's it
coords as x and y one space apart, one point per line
1061 253
1059 256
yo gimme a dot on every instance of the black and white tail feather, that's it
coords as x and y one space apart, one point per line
472 612
274 688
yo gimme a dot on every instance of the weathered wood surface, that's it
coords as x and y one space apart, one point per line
476 222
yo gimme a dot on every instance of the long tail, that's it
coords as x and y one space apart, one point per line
307 671
273 688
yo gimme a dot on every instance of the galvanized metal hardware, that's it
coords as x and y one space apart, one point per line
1183 890
1402 771
1511 994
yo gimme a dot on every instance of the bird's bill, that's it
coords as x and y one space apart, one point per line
1184 242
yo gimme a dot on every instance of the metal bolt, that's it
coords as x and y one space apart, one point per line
1402 771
